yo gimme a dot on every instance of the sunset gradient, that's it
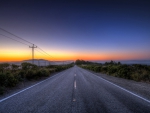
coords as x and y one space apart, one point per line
70 30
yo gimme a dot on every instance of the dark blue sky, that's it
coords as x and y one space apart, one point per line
87 29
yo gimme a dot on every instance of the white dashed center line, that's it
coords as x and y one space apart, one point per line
74 100
75 84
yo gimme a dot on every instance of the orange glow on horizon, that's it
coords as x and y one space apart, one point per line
8 56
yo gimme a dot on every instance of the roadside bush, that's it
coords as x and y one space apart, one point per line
36 74
2 79
2 90
17 75
112 69
11 80
52 70
43 73
9 77
145 75
124 72
104 69
135 72
22 75
149 68
14 67
27 66
58 68
30 74
97 68
4 67
8 80
62 67
136 76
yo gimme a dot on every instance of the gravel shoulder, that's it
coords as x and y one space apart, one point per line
140 88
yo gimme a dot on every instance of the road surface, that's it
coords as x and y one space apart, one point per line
74 91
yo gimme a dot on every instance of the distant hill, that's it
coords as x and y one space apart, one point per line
42 62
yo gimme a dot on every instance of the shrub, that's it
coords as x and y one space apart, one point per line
11 80
22 74
52 70
8 80
104 69
112 69
145 75
4 67
36 74
2 90
124 71
136 76
45 72
27 66
2 79
97 68
42 73
30 74
135 72
14 67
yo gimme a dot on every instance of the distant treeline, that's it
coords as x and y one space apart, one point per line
11 75
135 72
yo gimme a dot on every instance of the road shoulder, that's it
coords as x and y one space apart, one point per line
140 88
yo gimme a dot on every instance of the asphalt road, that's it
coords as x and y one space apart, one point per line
74 91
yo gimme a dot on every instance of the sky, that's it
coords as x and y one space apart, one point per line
75 29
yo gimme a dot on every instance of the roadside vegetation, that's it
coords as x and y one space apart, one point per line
11 75
135 72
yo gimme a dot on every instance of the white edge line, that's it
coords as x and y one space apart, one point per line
26 89
124 89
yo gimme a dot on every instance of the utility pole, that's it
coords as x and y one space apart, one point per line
33 52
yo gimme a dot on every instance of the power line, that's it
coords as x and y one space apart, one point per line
44 52
14 39
16 36
39 51
34 46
